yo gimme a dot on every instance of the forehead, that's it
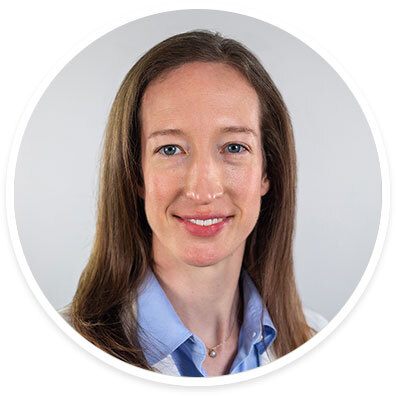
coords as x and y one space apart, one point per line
199 95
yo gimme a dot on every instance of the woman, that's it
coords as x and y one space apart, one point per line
191 272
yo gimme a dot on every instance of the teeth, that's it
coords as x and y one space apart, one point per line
206 223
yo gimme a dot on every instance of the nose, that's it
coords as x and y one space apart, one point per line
204 180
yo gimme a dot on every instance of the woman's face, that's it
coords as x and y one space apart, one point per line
202 163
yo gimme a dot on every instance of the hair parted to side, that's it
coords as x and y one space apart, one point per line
103 306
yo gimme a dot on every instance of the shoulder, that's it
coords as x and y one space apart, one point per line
65 312
314 320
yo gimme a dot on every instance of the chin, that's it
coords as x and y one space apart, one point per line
202 258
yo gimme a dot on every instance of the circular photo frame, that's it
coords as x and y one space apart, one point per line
342 187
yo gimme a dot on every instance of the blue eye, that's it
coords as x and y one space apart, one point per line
169 150
234 148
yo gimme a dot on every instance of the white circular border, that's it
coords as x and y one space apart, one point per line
226 379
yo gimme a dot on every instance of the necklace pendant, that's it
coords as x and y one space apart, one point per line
212 353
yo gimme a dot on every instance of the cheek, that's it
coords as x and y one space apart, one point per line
155 187
160 188
245 184
245 189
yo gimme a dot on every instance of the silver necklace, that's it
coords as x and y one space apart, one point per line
211 351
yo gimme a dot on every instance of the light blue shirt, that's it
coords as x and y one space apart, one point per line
162 333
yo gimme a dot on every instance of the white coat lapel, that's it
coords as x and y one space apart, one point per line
167 366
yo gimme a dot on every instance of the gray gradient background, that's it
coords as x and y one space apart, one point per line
339 185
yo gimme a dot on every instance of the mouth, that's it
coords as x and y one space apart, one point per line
204 225
207 222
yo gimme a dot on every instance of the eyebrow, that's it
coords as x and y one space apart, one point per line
178 132
239 129
165 132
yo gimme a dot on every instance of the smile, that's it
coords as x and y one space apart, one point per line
207 222
207 227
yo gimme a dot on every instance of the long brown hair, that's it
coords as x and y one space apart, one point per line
102 308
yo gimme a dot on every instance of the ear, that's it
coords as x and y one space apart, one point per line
141 191
265 185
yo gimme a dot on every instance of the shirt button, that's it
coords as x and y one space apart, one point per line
254 334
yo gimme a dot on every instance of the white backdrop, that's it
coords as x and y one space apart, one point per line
40 357
339 180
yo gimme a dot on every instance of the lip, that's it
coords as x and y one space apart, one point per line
203 231
204 216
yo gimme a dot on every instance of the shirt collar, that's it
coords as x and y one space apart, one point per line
257 325
161 331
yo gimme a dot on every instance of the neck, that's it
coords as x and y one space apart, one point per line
206 298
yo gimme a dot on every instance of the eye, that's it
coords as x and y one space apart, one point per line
169 150
234 148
